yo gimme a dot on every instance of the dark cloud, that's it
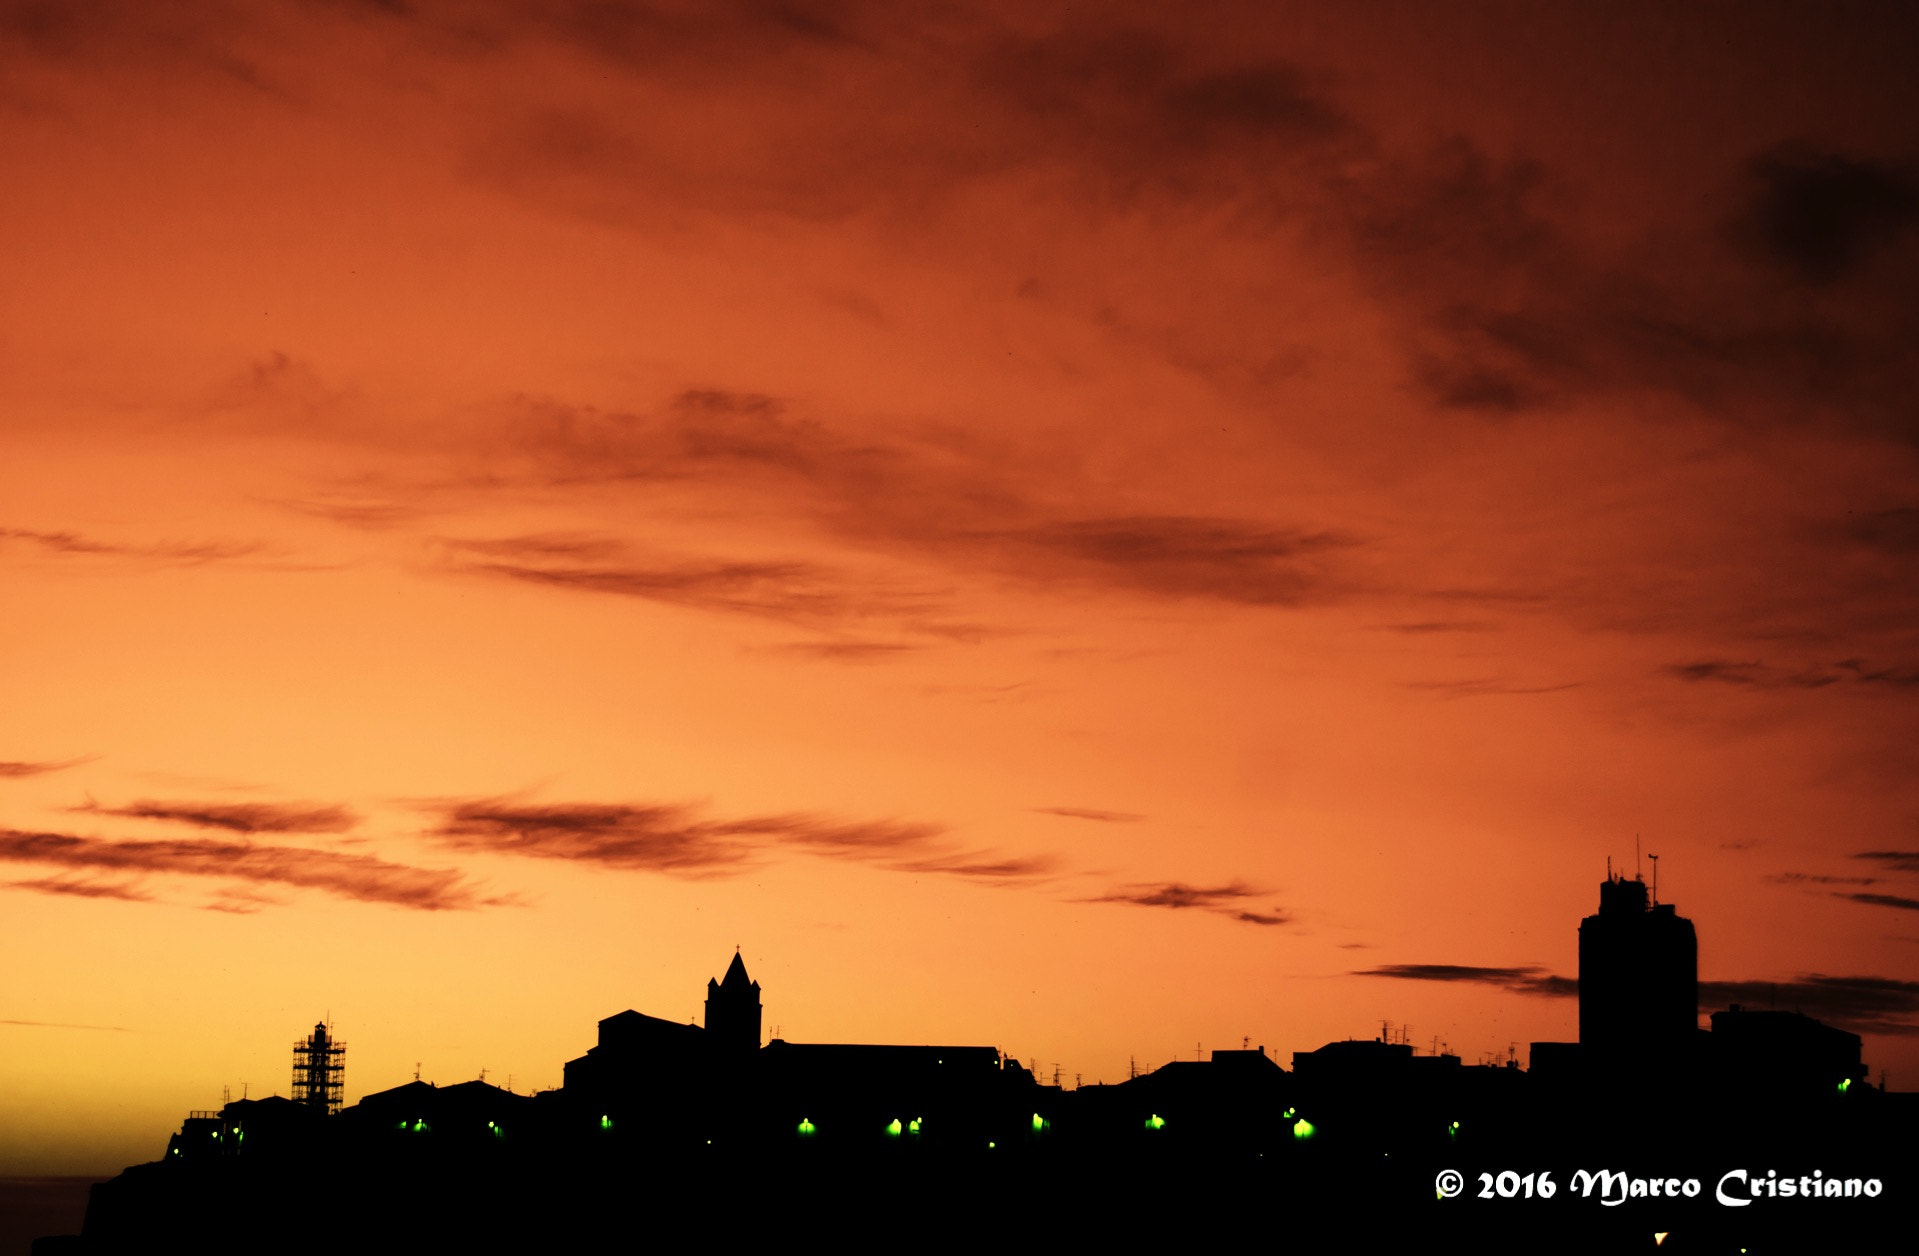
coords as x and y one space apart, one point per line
1822 215
252 817
924 496
371 515
1894 530
850 651
789 591
1525 979
1226 900
127 891
677 838
1892 860
1884 900
983 866
1504 307
1758 675
1861 1005
40 768
180 553
1811 878
360 877
1091 813
1229 560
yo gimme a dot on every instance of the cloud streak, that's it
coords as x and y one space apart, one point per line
1231 900
1865 1005
72 544
679 839
16 768
235 817
1529 979
359 877
1091 813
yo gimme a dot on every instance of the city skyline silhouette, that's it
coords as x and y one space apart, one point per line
1111 535
1637 1109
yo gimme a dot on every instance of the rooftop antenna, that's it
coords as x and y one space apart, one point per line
483 1074
1655 879
416 1070
1132 1067
1609 867
243 1090
1635 858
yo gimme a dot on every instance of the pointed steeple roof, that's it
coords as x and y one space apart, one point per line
735 973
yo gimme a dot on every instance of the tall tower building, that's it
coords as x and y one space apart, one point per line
319 1071
733 1011
1638 980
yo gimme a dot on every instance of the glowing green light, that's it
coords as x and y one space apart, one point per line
1303 1129
1452 1131
1040 1123
1290 1113
913 1126
606 1122
894 1127
1845 1085
807 1127
1156 1122
990 1146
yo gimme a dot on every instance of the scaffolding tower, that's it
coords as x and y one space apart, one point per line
319 1071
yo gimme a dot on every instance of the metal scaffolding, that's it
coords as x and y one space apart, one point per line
319 1071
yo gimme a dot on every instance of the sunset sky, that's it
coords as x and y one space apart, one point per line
1070 528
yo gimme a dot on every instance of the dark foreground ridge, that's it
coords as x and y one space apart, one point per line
1647 1134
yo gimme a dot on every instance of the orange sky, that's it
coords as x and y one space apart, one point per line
1083 532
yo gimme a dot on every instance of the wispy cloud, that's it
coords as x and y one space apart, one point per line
1091 813
1884 900
360 877
1755 674
680 839
1892 860
923 496
1523 979
172 552
1178 556
1487 687
1880 1005
792 591
254 817
33 1024
1813 878
17 768
1232 900
127 891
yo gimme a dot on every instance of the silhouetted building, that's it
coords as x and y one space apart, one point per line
1782 1052
1638 981
733 1011
319 1071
